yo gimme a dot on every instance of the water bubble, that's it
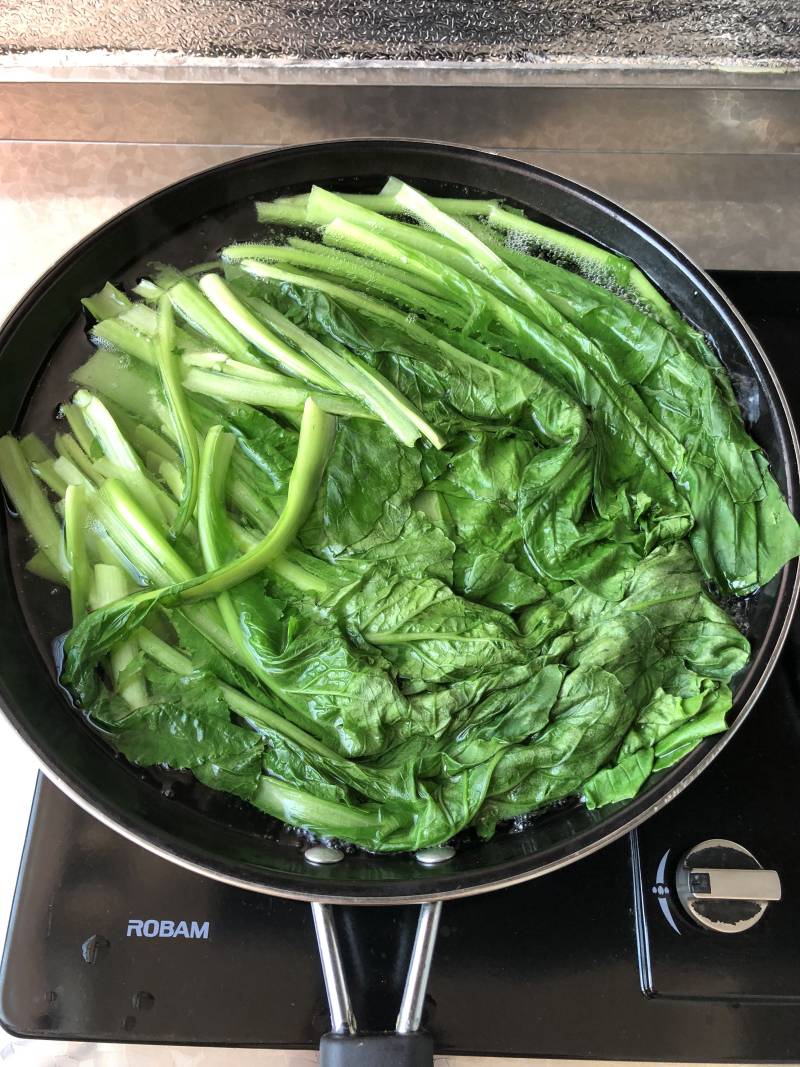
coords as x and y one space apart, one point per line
516 241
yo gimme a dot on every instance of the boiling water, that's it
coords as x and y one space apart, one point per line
46 608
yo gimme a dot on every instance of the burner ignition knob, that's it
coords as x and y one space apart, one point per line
723 887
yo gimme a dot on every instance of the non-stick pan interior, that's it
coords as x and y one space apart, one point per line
46 339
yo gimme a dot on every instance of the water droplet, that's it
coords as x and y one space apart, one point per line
431 856
129 1022
322 854
58 414
143 1001
94 948
51 996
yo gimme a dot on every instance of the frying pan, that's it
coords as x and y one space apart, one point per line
214 834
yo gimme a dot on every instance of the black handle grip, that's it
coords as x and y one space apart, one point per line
376 1050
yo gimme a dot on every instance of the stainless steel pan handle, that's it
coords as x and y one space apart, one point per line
407 1045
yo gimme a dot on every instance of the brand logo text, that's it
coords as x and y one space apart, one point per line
168 928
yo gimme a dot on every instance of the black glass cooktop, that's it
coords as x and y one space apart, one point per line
107 942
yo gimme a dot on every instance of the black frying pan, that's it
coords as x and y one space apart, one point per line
215 834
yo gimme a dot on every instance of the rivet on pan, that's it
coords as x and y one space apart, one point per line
431 856
321 854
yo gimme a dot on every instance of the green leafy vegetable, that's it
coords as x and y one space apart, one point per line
406 529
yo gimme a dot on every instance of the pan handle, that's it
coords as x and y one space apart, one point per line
376 1050
407 1046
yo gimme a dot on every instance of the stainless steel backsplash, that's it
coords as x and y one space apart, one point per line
703 32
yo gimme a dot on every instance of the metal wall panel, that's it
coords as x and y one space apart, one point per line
593 119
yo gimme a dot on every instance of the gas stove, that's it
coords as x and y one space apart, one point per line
625 955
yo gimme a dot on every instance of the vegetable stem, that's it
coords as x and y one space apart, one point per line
355 269
30 502
75 518
285 397
34 449
110 585
181 418
107 303
355 379
316 436
41 566
194 306
47 472
260 335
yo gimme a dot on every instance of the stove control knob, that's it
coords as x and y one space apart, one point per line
723 887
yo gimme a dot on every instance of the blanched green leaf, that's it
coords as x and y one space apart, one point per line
424 630
189 727
620 782
588 722
488 577
343 697
370 481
